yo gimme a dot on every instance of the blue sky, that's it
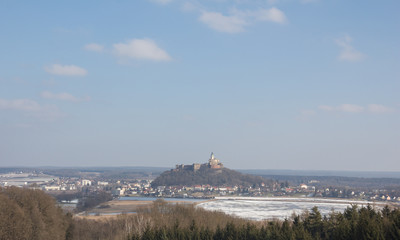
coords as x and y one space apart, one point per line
284 84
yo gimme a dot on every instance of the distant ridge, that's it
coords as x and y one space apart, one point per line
321 173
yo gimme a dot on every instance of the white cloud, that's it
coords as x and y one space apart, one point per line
141 49
308 1
190 6
270 15
94 47
238 19
187 7
20 104
347 52
326 108
352 108
66 70
221 23
63 97
32 108
162 2
377 108
281 1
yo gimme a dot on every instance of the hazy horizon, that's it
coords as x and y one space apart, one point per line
254 171
264 84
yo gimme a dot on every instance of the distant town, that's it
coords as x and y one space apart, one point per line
77 184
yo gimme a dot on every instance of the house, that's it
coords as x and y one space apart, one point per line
303 186
86 182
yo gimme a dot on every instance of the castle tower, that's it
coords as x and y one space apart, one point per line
213 162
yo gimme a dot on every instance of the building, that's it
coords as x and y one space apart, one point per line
51 188
102 183
118 192
193 167
212 163
86 182
303 186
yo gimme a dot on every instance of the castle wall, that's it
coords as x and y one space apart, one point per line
212 163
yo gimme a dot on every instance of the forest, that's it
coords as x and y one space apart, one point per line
32 214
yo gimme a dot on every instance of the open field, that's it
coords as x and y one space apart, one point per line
114 208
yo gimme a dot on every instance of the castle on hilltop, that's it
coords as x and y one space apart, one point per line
213 163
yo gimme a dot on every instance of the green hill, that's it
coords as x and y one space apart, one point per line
205 176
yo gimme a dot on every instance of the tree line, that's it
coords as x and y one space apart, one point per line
32 214
354 223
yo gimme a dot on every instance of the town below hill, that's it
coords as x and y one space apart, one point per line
91 186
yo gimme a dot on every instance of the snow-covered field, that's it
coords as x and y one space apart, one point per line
276 208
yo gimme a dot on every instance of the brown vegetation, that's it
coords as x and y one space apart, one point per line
31 214
160 213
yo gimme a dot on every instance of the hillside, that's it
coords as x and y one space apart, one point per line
205 176
31 214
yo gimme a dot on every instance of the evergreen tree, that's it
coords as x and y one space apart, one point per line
287 231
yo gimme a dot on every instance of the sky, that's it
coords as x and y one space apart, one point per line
264 84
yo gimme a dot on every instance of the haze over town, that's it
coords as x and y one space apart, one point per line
294 84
